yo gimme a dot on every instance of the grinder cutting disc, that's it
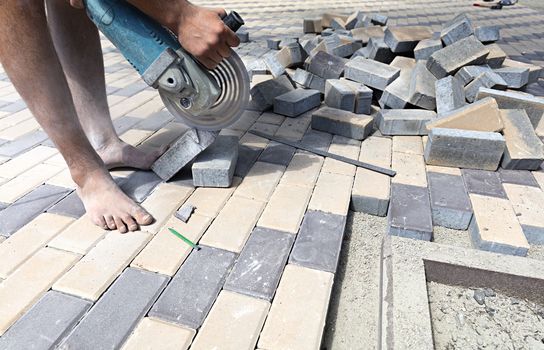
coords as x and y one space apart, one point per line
233 80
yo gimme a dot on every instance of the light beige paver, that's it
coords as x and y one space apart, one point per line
132 103
30 238
90 277
408 144
293 129
26 161
410 169
28 283
152 334
539 176
232 226
253 141
344 147
528 204
79 237
260 181
62 179
443 170
26 182
18 130
165 252
377 151
234 323
332 193
208 201
303 170
299 310
165 136
482 115
134 136
163 202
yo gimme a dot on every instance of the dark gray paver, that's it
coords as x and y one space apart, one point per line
410 212
263 94
524 149
450 203
247 156
70 205
260 265
518 177
140 184
110 321
296 102
194 288
28 207
461 53
277 153
317 140
326 66
46 323
215 166
483 182
22 144
371 73
319 241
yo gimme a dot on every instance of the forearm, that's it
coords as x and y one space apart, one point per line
166 12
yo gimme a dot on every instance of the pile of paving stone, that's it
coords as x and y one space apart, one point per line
457 86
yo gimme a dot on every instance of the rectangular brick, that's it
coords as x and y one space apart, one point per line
460 53
408 144
117 312
405 39
524 150
449 201
165 252
303 170
94 273
410 212
259 267
496 56
450 94
404 121
194 288
528 204
30 281
339 95
425 48
26 182
70 206
396 95
410 169
215 166
79 237
517 177
151 333
326 66
363 96
247 156
344 147
140 184
494 226
422 87
482 115
297 316
208 201
332 193
25 161
296 102
260 182
487 34
371 73
485 183
277 153
343 123
294 129
458 28
22 144
488 79
535 71
534 106
264 93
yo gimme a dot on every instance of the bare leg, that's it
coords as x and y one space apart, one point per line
78 46
30 60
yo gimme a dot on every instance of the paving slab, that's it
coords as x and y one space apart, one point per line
515 78
396 94
487 79
488 34
296 102
155 334
485 183
309 80
483 115
458 28
326 66
450 95
363 96
410 212
426 47
277 153
371 73
70 206
214 167
339 95
343 123
405 39
496 56
140 184
422 87
517 177
404 121
247 156
449 201
450 59
263 94
524 149
528 204
535 71
317 140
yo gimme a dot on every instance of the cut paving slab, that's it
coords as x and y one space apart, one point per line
46 323
449 201
410 212
450 95
535 72
140 184
326 66
363 96
528 204
183 151
264 93
404 121
258 269
458 28
214 167
309 80
194 288
425 48
343 123
487 79
524 150
296 102
487 34
405 39
496 56
422 87
515 77
483 115
371 73
464 149
339 95
396 94
117 312
485 183
319 241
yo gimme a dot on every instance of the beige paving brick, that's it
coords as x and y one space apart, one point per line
232 226
209 201
483 115
344 147
443 170
271 118
152 334
90 277
131 103
15 118
408 144
165 136
163 202
145 110
26 161
134 136
30 281
18 130
57 160
303 169
539 176
269 129
62 179
528 204
79 237
286 208
30 238
260 181
26 182
410 169
377 151
234 323
165 252
299 310
497 224
253 141
332 193
294 128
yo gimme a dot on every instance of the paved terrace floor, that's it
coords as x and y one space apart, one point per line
63 278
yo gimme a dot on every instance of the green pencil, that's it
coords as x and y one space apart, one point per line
183 238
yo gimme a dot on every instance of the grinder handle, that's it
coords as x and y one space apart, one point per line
233 20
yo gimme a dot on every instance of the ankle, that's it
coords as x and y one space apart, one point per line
84 177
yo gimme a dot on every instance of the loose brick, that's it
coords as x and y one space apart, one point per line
293 129
422 90
379 19
209 201
371 73
165 252
524 150
404 121
312 25
185 212
450 59
353 19
194 288
344 147
449 201
514 77
291 55
485 183
528 204
326 66
494 226
35 330
377 50
410 169
496 56
339 95
30 281
303 170
487 34
405 39
410 212
22 144
458 28
117 312
151 333
483 115
425 48
364 34
277 153
235 322
70 206
450 95
396 94
363 96
260 182
215 166
488 79
309 80
468 73
273 64
464 149
517 177
140 184
297 316
259 267
296 102
535 71
534 106
93 274
342 123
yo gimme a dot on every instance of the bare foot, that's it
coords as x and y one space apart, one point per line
120 154
108 206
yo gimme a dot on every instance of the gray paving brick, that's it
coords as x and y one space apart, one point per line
422 87
405 39
183 151
319 241
450 204
247 156
488 34
155 121
377 50
488 79
263 94
28 207
46 323
277 153
109 322
468 73
450 94
22 144
275 67
70 205
259 267
518 177
343 123
486 183
185 212
339 95
410 212
194 288
458 28
371 73
524 150
379 19
496 56
326 66
309 80
425 48
317 139
461 53
363 96
215 166
515 77
404 121
140 184
396 94
296 102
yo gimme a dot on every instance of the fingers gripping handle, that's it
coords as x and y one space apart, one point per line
233 21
